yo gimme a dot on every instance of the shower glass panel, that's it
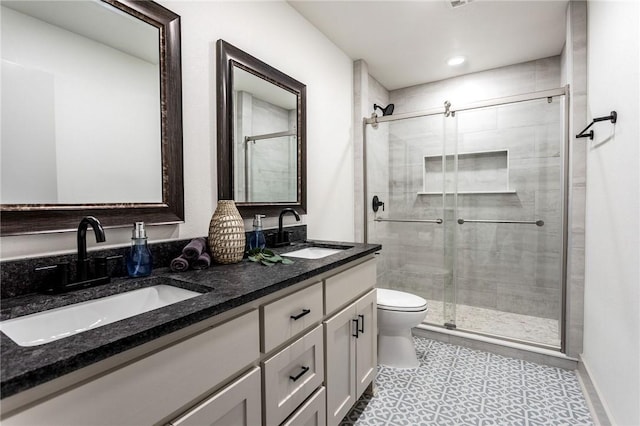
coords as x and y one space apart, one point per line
473 215
507 196
410 226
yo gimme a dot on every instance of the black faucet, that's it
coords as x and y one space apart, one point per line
62 280
98 230
282 238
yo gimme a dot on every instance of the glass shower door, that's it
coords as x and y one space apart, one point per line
506 170
410 225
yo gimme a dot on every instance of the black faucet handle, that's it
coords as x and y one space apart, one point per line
58 281
101 268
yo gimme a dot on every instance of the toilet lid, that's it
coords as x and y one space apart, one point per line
395 300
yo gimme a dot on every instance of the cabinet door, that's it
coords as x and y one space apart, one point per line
366 343
237 404
340 363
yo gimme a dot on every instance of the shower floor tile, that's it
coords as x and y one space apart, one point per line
455 385
499 323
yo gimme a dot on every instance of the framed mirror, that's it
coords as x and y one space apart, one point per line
261 114
91 115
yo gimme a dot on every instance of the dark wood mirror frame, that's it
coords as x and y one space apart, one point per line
17 219
229 56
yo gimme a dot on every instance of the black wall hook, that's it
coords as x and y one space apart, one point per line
613 117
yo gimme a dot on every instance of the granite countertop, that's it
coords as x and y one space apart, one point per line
224 287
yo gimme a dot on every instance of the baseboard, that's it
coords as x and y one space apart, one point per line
598 409
504 348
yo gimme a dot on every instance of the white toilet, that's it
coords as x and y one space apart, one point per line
398 312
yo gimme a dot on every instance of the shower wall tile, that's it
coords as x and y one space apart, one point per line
477 292
487 254
538 302
576 63
367 92
548 73
360 94
477 120
527 114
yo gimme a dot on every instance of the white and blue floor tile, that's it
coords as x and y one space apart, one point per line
455 385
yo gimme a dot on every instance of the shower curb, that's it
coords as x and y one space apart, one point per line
504 348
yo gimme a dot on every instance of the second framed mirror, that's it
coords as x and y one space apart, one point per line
261 114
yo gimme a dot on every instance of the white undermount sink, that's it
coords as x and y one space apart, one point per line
313 252
47 326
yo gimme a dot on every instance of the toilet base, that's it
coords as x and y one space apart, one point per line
397 351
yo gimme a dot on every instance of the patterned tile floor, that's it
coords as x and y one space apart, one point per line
455 385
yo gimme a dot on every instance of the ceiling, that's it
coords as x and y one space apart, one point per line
406 43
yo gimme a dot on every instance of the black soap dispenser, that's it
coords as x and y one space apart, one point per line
139 260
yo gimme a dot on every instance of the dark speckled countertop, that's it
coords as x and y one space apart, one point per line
224 287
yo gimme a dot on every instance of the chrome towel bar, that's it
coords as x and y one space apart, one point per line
525 222
379 219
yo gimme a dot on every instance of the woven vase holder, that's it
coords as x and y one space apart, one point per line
226 233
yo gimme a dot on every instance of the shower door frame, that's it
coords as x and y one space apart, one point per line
565 190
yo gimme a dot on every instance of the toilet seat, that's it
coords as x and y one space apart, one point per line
394 300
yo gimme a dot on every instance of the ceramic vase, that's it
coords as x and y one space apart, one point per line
226 233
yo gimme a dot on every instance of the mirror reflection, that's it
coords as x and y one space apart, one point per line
81 119
262 135
265 140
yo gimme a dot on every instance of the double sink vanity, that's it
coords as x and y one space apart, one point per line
238 344
233 344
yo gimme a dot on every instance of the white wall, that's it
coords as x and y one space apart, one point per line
77 71
612 276
275 33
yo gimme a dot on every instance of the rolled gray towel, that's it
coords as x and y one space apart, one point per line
195 248
202 262
179 264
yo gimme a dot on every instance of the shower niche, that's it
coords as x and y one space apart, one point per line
478 172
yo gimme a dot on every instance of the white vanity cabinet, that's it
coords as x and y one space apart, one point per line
301 356
237 404
154 387
350 341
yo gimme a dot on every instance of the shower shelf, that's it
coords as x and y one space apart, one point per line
478 172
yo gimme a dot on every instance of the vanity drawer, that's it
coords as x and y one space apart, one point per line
345 286
289 316
292 375
312 413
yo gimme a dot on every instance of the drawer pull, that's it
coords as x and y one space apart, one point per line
302 373
357 327
301 314
361 330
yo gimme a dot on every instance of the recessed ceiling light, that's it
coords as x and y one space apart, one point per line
458 3
456 60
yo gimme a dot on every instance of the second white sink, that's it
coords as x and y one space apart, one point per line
312 252
47 326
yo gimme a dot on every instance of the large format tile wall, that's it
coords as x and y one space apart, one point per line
513 268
